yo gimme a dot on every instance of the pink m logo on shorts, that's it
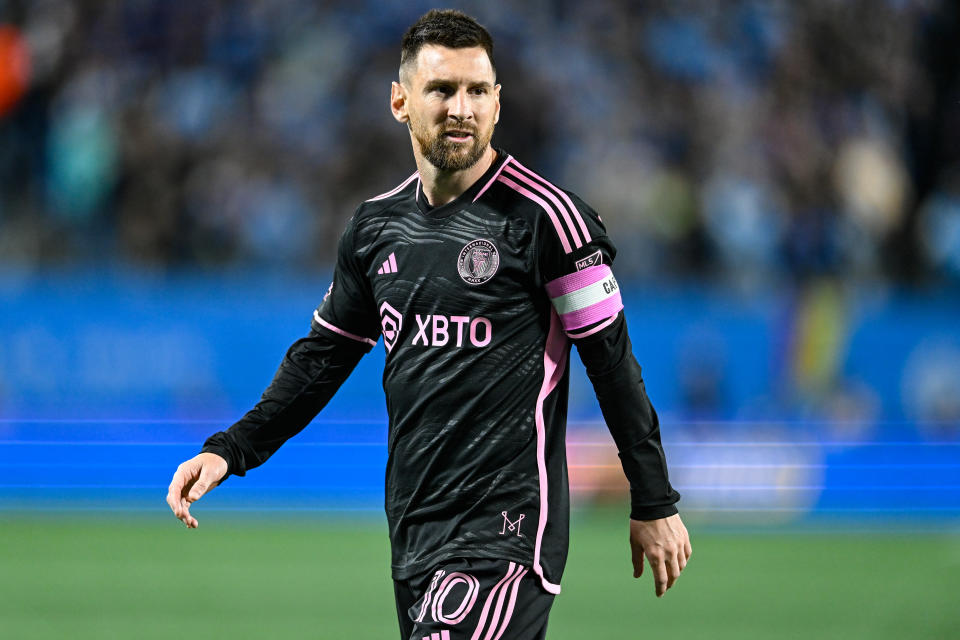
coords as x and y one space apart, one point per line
391 322
511 525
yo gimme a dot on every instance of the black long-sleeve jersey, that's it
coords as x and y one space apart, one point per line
477 302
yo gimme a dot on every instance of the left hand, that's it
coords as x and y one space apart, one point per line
193 479
666 544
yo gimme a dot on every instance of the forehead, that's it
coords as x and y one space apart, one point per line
436 62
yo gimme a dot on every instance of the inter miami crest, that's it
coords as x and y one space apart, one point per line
478 261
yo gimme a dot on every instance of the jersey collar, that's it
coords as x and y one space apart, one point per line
464 198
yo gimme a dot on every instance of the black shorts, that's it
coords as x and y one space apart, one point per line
473 599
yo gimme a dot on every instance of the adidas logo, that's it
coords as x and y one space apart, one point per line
389 265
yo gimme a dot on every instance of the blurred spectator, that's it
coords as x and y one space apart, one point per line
931 387
14 67
940 224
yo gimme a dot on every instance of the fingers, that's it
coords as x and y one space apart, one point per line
661 581
687 552
677 556
207 481
673 570
177 493
192 480
173 496
636 553
666 567
199 488
174 493
179 504
666 545
185 516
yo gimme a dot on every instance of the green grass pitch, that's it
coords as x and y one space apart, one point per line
247 577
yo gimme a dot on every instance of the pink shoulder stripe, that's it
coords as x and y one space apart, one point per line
494 178
564 196
338 330
553 198
398 189
546 207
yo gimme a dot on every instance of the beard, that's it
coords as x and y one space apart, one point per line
447 155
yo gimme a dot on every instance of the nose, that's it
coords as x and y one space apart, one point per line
459 105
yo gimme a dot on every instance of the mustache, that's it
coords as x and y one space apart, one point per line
460 127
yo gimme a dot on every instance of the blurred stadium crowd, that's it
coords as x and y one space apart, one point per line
744 138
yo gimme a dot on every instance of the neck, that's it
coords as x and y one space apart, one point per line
441 187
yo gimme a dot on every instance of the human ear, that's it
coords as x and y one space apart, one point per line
398 102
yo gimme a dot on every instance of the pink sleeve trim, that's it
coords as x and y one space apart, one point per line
594 313
600 327
345 334
578 280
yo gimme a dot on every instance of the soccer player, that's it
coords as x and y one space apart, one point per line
478 274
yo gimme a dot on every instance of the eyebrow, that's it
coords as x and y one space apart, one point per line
439 83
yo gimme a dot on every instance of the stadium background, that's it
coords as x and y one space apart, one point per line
782 179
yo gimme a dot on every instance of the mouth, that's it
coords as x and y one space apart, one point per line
457 135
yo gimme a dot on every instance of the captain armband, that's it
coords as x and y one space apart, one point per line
586 300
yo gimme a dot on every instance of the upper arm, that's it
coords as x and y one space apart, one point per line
575 265
347 311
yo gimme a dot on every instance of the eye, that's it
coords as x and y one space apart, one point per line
479 91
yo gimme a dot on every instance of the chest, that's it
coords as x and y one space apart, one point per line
451 282
472 256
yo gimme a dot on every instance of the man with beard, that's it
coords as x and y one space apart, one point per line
479 274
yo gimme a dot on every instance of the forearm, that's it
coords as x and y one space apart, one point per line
632 420
311 372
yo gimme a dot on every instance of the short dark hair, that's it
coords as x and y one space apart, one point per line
447 28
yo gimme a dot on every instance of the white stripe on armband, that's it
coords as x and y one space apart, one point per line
585 297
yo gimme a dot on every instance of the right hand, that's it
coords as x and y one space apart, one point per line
666 545
193 479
